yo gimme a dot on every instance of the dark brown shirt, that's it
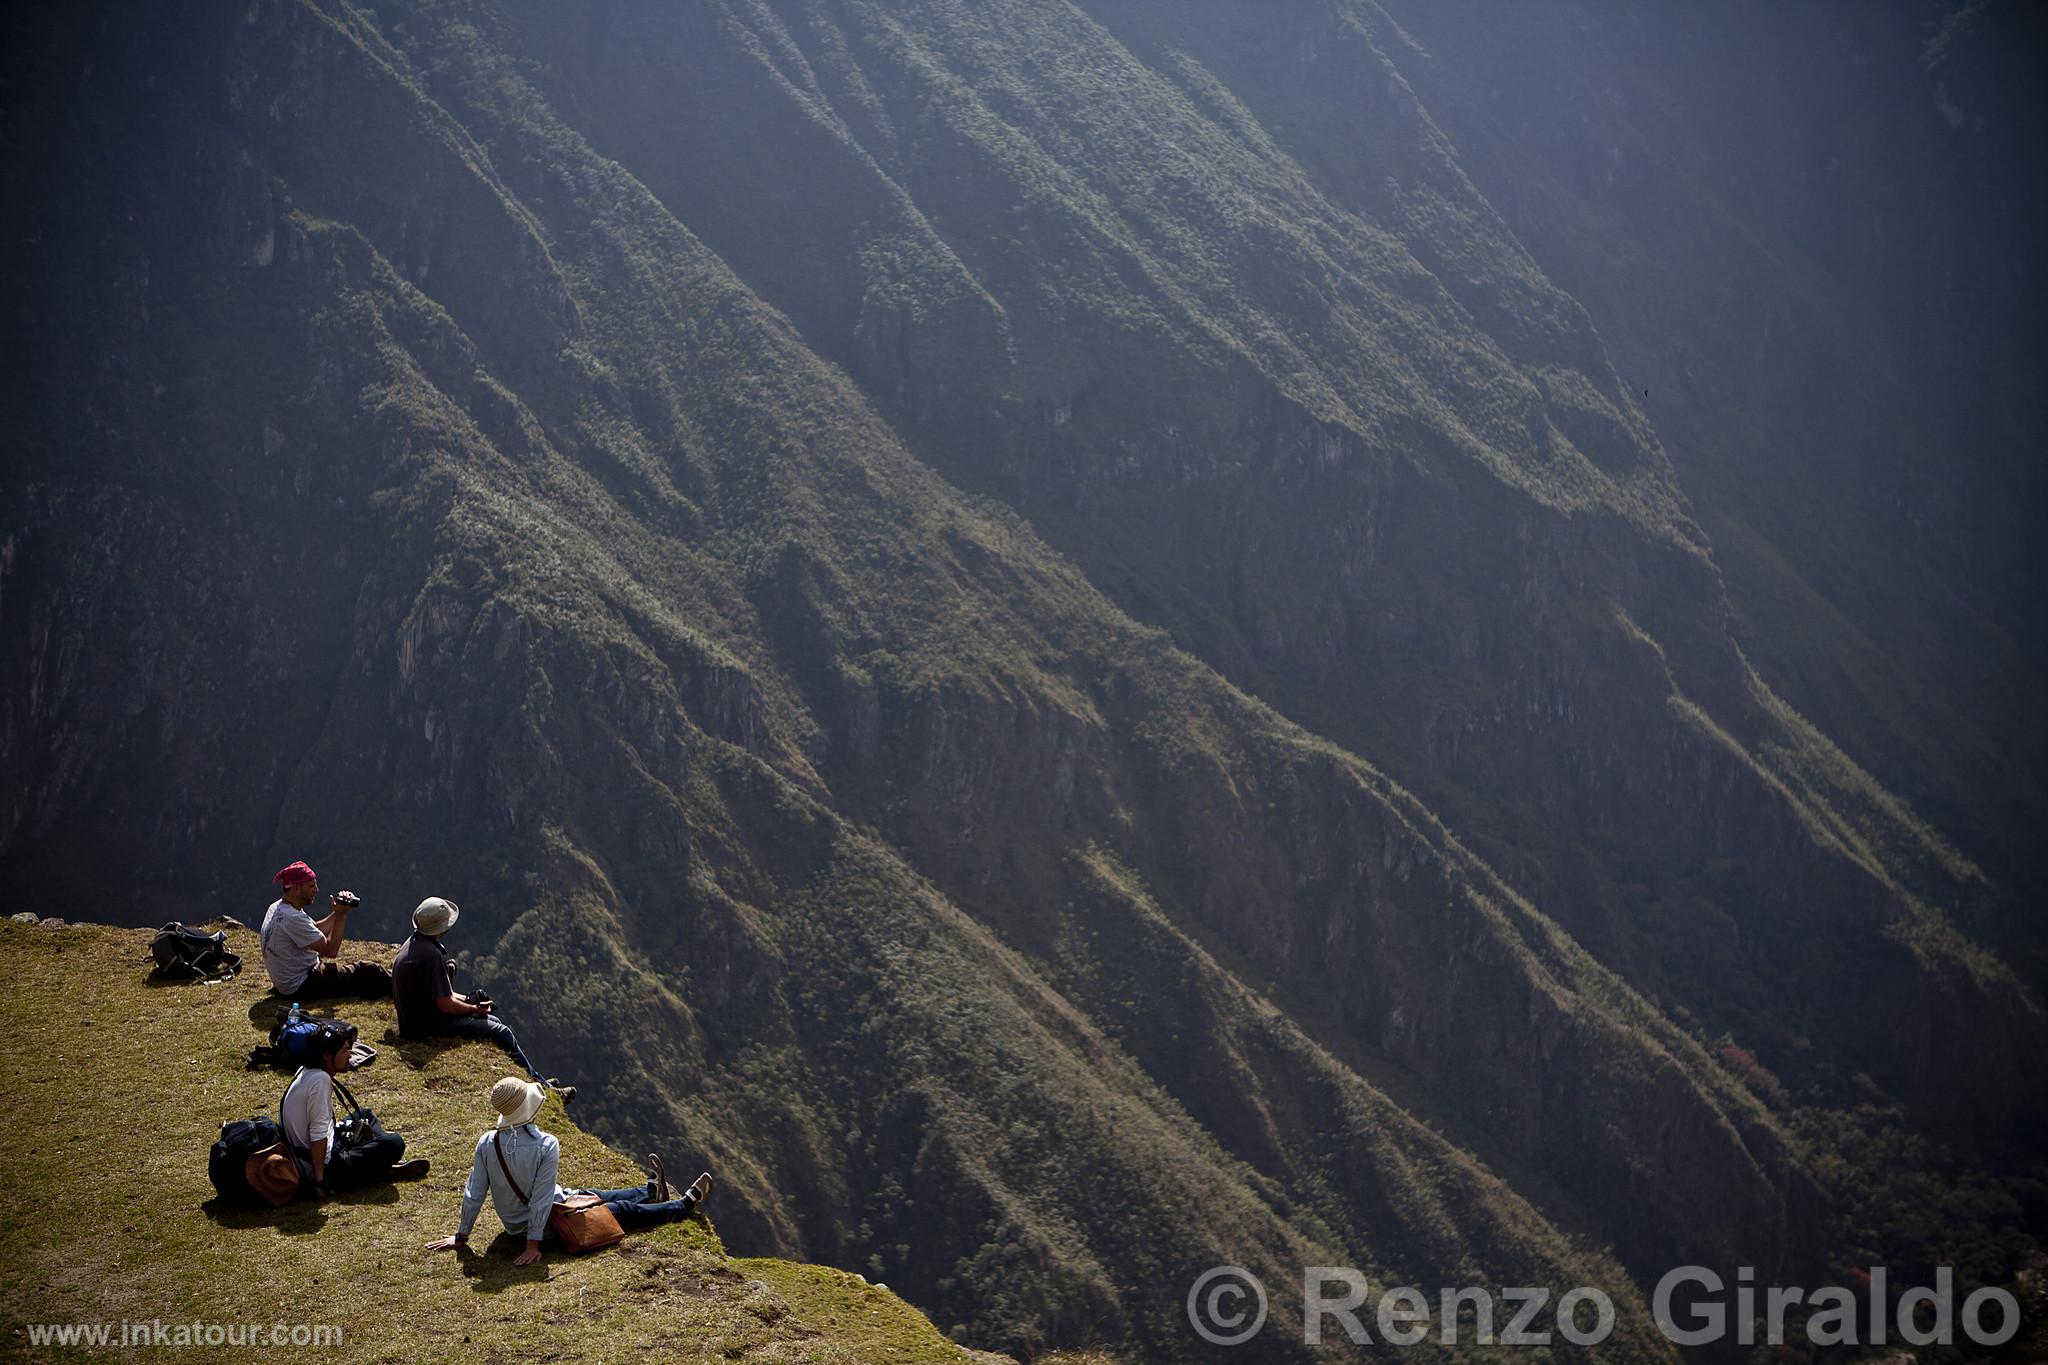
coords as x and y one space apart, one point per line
419 977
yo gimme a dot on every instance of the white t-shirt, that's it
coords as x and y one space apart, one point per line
290 946
309 1108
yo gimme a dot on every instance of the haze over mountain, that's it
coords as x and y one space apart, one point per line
1082 640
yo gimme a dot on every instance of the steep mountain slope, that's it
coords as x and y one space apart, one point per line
1829 302
520 452
1319 414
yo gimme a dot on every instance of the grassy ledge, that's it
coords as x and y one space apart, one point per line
112 1090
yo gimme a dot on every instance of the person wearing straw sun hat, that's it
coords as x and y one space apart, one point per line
428 1004
516 1164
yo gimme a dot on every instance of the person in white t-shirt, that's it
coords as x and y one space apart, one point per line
307 1114
300 952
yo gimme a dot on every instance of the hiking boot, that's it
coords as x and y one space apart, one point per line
416 1169
567 1092
661 1192
700 1187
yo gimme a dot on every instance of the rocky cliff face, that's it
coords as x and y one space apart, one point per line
999 615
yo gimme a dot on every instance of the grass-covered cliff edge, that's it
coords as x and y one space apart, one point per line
114 1088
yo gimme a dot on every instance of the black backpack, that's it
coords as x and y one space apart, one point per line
358 1126
191 955
239 1140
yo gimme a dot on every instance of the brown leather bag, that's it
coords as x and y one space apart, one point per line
582 1222
272 1173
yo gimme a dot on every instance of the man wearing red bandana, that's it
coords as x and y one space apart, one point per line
300 952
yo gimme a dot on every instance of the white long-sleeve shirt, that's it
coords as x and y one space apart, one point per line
533 1157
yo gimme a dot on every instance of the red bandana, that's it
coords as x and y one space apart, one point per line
298 874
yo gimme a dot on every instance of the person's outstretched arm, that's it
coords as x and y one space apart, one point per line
473 1192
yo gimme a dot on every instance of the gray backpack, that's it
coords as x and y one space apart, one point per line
183 954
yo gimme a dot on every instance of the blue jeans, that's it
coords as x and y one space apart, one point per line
637 1207
491 1029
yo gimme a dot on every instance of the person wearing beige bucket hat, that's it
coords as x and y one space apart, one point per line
429 1005
516 1165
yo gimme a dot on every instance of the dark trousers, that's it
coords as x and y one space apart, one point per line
370 1164
637 1207
330 980
490 1028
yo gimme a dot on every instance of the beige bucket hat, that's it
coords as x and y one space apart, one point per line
516 1101
433 915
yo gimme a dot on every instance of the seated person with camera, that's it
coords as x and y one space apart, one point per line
336 1156
301 953
428 1004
